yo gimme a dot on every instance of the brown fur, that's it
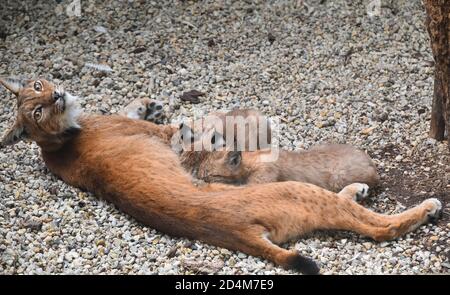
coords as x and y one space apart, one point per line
332 167
126 162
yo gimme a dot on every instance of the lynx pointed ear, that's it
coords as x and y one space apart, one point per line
234 158
12 84
15 134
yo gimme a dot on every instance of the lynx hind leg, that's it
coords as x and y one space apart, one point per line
355 191
155 111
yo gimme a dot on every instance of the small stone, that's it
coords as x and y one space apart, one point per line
242 255
101 243
393 260
211 43
71 255
183 72
367 245
33 223
172 252
430 141
368 130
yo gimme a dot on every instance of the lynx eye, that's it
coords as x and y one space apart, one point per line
38 86
37 114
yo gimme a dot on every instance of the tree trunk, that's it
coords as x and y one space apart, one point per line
438 26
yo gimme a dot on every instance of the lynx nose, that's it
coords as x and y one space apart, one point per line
57 95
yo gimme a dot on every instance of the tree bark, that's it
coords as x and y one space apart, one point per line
438 26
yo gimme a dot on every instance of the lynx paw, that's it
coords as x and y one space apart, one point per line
154 111
435 209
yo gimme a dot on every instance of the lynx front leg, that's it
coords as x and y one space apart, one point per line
355 191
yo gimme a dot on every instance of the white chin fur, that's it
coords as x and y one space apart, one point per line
72 112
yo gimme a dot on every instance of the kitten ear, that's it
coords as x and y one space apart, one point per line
234 158
13 84
15 134
187 135
217 141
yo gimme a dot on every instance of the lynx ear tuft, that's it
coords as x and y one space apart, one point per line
12 84
13 135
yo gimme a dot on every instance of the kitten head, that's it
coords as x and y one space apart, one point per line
45 112
212 162
222 166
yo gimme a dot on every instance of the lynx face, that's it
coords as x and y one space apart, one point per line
45 112
222 166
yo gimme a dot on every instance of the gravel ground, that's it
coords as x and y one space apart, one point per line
326 68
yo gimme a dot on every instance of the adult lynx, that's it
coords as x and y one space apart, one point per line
129 163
